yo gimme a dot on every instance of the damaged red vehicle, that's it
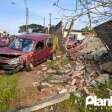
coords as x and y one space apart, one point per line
72 45
4 41
25 51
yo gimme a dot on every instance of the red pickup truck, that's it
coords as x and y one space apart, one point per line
25 51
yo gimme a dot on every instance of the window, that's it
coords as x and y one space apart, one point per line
22 44
39 46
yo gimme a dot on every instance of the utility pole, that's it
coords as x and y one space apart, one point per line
50 19
62 19
49 26
27 15
44 21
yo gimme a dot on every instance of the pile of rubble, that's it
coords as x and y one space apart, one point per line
92 65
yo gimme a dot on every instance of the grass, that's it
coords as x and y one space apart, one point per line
56 64
77 104
64 61
51 64
7 91
68 106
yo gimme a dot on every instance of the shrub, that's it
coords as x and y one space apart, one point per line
77 104
7 91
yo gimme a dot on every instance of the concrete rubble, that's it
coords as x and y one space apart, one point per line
91 65
107 67
93 62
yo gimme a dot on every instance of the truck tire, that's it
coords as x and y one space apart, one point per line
29 66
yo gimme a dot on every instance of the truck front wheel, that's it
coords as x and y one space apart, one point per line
29 66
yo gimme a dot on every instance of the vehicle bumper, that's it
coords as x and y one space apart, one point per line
10 67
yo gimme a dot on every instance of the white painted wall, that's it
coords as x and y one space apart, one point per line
78 35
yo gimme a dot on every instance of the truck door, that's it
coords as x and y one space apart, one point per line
39 53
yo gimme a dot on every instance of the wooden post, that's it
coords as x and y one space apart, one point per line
47 102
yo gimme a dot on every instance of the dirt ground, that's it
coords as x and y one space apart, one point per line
28 94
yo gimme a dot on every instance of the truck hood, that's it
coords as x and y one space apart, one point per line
9 51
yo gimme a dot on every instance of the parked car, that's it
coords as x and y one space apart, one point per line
72 45
4 41
25 51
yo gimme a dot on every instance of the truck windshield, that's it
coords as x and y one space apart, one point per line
22 44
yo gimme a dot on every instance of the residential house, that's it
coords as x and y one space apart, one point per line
77 33
104 32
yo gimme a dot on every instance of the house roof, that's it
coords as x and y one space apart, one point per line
104 32
107 23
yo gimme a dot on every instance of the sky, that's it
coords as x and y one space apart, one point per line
12 13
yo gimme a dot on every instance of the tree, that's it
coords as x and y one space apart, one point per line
56 31
33 28
22 29
85 29
96 11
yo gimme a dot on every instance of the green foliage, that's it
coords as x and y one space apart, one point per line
55 41
64 61
33 27
52 64
57 64
68 105
101 90
77 104
7 91
86 29
22 29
